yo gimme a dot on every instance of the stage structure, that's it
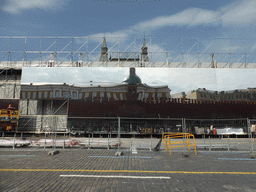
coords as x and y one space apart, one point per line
18 52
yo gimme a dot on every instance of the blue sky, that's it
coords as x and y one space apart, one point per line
164 18
175 19
191 19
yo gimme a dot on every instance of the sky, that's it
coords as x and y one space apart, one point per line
157 18
178 80
197 23
226 28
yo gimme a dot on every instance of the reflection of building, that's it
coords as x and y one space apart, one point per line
130 89
61 106
181 95
207 95
47 106
202 94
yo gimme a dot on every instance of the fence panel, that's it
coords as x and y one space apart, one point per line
217 126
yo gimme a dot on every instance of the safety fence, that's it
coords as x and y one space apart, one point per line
174 140
133 126
132 134
52 140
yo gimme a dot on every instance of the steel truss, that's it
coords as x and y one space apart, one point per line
18 52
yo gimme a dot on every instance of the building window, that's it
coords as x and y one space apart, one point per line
80 95
139 96
159 94
101 94
146 95
40 95
57 93
74 95
121 96
108 95
34 95
51 94
201 96
23 95
29 94
45 94
86 95
94 94
114 94
66 95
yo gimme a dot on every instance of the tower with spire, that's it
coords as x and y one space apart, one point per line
104 52
144 52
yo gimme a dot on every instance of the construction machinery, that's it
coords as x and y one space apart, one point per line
9 119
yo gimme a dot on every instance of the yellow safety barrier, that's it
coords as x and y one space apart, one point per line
166 136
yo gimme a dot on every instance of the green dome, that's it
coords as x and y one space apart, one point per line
132 80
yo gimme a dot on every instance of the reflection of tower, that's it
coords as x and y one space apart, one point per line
104 51
144 54
132 81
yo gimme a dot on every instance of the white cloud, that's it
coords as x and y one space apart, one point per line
191 16
17 6
243 12
239 13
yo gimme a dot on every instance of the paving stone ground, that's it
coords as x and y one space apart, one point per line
31 169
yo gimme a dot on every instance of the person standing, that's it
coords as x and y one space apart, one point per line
253 130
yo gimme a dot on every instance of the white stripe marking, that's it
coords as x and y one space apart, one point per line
116 176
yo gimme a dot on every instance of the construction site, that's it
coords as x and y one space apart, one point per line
95 107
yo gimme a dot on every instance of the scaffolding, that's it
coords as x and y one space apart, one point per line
19 51
10 80
40 116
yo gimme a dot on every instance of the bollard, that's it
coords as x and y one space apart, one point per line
54 152
3 135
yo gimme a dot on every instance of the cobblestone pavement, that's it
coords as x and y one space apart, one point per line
77 169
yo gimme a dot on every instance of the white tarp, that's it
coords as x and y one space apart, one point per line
230 131
16 142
